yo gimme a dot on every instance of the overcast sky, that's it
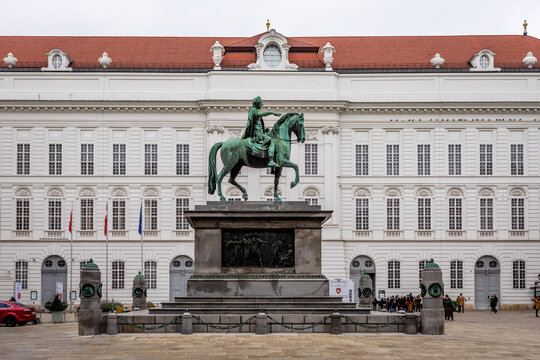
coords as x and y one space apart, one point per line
248 18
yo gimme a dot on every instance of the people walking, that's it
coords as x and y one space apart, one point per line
461 303
536 304
418 303
448 308
493 301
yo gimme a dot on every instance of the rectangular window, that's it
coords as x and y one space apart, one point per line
150 214
119 159
518 213
516 159
311 159
87 159
55 214
362 214
486 159
118 275
424 159
362 160
150 159
312 201
424 214
150 274
454 159
518 274
455 214
182 159
23 159
392 159
421 266
55 159
456 274
392 214
119 214
486 214
394 281
87 214
21 274
22 214
182 204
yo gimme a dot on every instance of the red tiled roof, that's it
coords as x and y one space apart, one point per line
352 52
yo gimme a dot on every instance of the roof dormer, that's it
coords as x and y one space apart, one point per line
272 53
58 61
483 61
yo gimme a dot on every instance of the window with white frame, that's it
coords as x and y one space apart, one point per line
118 214
87 159
517 205
424 214
362 214
182 159
392 214
150 274
55 214
362 159
456 274
23 159
421 265
518 274
454 159
516 159
118 275
182 204
21 273
87 214
55 159
312 200
486 213
392 159
311 159
119 159
486 159
394 276
22 214
150 214
150 159
455 214
424 159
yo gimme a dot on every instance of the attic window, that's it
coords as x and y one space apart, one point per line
57 61
272 56
484 62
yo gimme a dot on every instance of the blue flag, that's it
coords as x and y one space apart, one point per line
140 221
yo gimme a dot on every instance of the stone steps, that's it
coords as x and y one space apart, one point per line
258 305
267 310
258 298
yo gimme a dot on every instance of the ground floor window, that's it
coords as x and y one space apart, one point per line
456 274
394 278
118 275
518 274
150 274
21 273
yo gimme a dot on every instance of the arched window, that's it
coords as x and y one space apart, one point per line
362 208
487 199
517 208
22 209
424 209
456 274
518 274
151 209
118 274
311 195
54 201
119 201
21 273
455 209
150 273
272 56
394 274
393 209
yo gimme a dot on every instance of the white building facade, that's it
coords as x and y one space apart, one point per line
416 165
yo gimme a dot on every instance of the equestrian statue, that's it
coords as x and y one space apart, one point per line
259 147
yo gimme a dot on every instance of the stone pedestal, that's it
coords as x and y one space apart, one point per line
432 313
138 292
257 248
365 291
90 293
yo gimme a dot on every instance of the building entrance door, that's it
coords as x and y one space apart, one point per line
487 281
360 266
180 271
53 272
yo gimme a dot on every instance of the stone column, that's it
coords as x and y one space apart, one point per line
138 292
90 293
365 291
432 313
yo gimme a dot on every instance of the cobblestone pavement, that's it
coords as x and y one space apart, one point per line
473 335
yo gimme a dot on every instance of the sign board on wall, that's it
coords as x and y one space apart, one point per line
18 289
342 288
60 290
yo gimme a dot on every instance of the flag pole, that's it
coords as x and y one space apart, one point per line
107 251
71 259
142 240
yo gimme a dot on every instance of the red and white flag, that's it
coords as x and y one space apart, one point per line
70 220
106 214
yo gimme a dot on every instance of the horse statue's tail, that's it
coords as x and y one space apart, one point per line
212 167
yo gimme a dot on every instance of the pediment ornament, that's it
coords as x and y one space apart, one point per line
182 192
361 192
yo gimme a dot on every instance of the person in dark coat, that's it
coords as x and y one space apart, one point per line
493 301
448 308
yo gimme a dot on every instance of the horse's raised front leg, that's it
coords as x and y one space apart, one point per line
224 171
277 174
232 179
289 163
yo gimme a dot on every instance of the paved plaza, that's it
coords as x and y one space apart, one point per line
473 335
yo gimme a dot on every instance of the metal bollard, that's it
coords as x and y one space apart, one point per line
335 324
187 323
112 324
261 327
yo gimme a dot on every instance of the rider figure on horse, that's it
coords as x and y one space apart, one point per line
257 133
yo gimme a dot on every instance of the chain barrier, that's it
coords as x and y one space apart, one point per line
224 327
290 327
150 328
348 320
